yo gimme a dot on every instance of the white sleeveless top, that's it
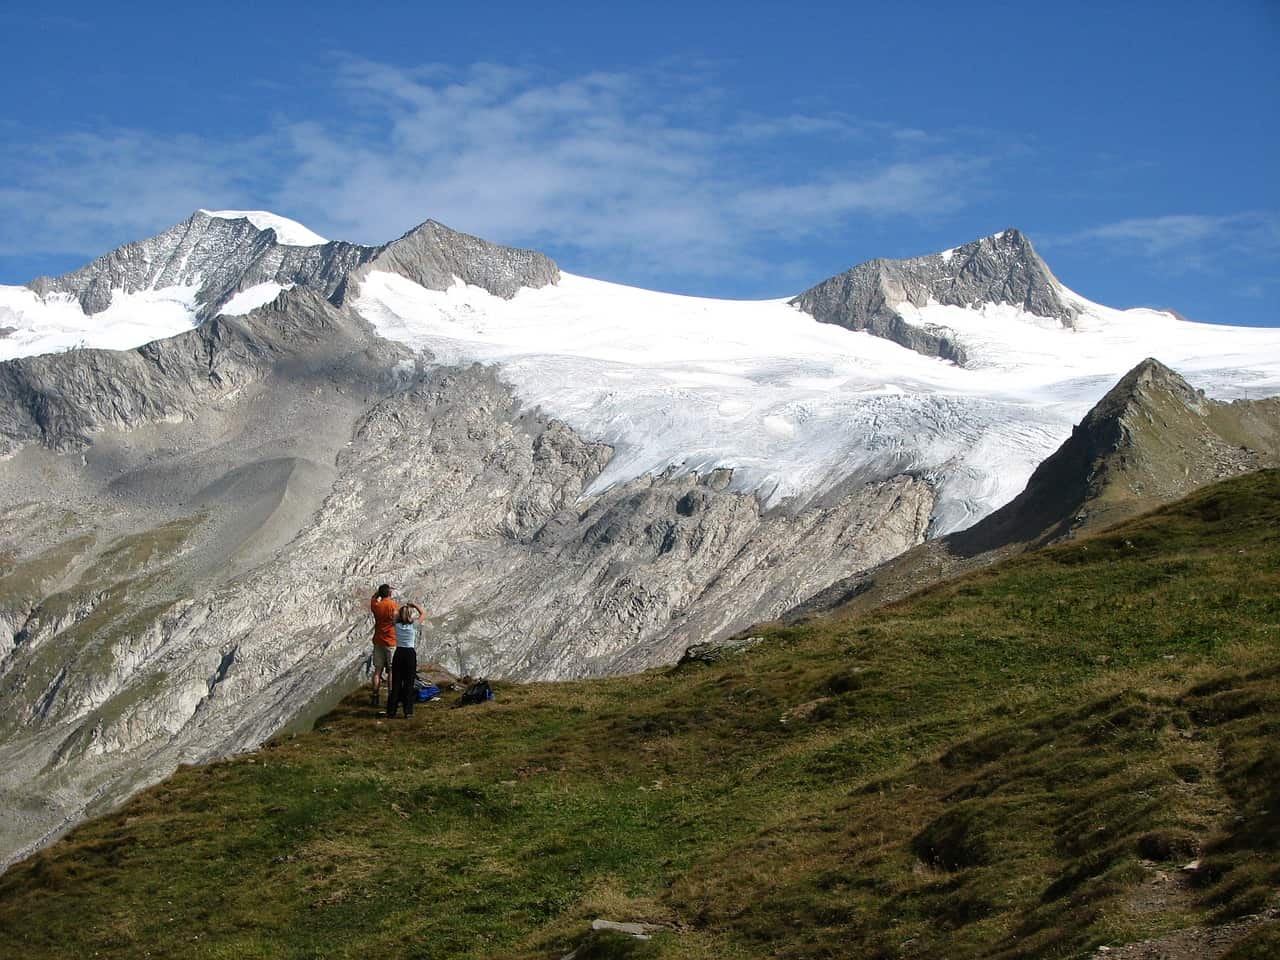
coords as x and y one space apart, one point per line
406 635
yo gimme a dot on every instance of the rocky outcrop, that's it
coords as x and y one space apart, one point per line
1002 269
218 255
434 256
222 257
1151 439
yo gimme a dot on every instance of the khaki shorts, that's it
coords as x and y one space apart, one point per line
382 656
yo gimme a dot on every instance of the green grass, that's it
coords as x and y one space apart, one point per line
988 769
130 555
120 595
25 581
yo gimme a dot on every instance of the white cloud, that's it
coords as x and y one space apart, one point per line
1190 241
647 170
82 192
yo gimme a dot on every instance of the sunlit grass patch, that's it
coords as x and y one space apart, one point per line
1001 766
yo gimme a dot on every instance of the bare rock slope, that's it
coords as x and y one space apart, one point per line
1150 440
1001 269
192 530
222 257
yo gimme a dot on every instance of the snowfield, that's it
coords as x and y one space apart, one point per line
289 232
31 325
797 408
252 298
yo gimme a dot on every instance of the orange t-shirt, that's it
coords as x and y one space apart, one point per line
384 620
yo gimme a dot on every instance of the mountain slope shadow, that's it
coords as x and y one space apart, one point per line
1150 440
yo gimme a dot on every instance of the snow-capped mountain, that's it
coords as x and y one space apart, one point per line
796 407
192 525
225 262
288 232
795 396
228 262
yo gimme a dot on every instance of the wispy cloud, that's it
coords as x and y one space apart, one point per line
1190 241
647 169
76 192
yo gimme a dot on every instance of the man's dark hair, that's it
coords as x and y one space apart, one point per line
384 591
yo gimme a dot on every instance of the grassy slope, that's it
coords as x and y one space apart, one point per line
977 771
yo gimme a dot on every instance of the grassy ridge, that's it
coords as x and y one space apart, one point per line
1006 765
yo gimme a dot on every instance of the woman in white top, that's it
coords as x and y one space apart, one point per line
404 664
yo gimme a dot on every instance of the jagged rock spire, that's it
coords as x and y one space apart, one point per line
223 256
1003 268
433 255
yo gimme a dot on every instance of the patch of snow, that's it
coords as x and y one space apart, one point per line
1038 357
288 231
793 406
252 298
57 322
947 254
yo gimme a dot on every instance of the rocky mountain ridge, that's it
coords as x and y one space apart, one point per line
1000 269
222 257
192 527
1151 439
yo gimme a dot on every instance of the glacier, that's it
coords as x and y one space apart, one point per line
796 407
31 324
289 232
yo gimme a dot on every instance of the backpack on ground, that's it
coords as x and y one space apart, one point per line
478 692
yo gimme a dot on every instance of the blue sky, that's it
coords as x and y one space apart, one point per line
743 150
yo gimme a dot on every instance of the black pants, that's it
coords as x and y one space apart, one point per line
404 670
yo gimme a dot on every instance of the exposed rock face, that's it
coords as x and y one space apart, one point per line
432 255
1000 269
215 509
224 256
61 400
1150 440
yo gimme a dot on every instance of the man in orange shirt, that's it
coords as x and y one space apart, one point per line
384 636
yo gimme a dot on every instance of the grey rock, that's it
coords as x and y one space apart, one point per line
711 653
226 256
222 256
215 509
639 931
1000 269
433 255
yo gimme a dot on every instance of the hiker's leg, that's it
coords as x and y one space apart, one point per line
393 683
379 657
409 694
391 688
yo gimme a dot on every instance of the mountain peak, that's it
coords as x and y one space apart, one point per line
1151 438
205 260
288 232
434 255
1149 383
1003 268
